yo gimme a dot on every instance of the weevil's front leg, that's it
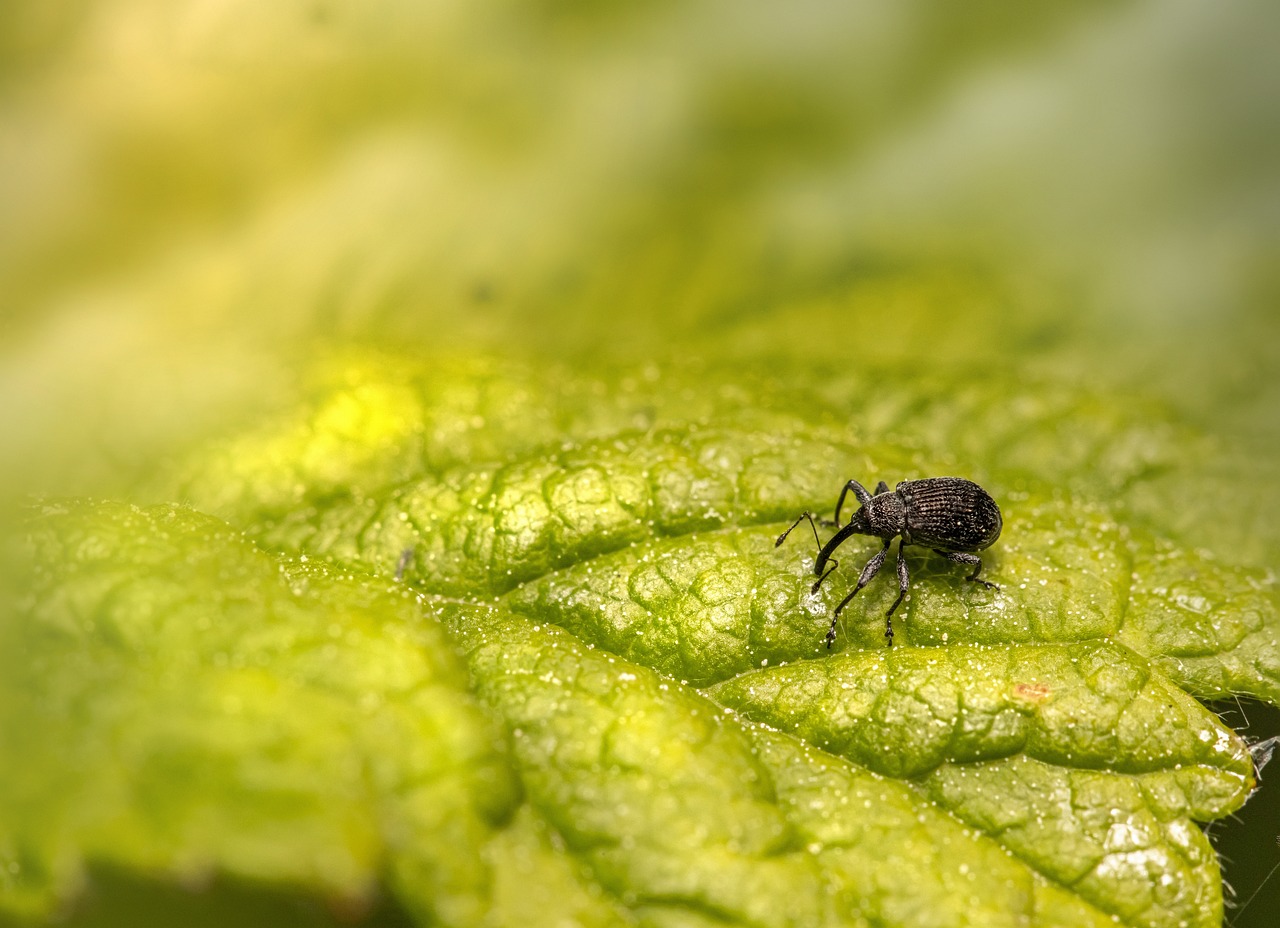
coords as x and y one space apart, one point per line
870 570
858 490
881 488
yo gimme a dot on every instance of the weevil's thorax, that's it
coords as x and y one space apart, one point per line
949 514
885 516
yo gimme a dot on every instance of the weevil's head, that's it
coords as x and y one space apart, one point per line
860 523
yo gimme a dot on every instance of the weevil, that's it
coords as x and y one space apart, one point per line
950 515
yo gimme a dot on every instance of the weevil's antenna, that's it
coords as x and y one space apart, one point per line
804 515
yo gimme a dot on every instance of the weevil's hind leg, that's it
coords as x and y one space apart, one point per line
870 570
881 488
904 582
804 515
973 561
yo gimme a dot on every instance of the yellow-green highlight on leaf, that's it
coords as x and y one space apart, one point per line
485 529
367 422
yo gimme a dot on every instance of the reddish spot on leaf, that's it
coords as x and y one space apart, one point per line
1031 692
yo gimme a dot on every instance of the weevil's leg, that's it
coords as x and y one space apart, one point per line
881 487
818 582
804 515
870 570
831 632
973 561
858 490
903 583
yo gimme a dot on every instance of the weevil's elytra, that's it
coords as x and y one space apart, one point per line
950 515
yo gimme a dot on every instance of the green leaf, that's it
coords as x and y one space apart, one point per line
1080 759
1073 564
680 746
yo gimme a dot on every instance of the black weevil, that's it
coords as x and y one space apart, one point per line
950 515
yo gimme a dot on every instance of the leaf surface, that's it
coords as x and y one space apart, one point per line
673 742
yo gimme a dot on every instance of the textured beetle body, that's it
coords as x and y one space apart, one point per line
950 515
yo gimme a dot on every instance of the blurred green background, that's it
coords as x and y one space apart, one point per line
194 196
